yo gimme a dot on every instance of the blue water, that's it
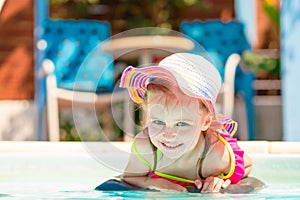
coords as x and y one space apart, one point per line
74 176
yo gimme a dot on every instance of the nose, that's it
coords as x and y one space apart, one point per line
169 133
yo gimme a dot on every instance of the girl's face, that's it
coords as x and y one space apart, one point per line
175 125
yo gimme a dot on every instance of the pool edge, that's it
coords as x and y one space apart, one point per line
256 147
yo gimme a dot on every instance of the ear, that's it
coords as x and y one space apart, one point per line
206 122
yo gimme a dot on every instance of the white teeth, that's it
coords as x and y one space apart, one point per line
170 145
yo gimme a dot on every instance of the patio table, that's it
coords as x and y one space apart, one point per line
144 48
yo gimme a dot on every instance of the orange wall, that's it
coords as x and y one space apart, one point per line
16 50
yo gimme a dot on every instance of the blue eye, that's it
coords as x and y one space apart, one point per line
158 122
182 124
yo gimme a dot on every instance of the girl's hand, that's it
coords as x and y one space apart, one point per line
163 184
212 184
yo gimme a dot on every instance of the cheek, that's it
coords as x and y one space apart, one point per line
154 130
189 133
192 138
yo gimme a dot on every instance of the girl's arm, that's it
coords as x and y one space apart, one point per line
154 183
135 166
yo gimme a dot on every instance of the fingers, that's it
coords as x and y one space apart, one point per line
214 184
165 185
208 184
179 188
226 184
218 185
183 189
198 183
176 187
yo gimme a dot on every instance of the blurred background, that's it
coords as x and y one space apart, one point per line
18 119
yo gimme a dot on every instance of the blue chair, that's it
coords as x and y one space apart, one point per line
76 69
220 40
69 42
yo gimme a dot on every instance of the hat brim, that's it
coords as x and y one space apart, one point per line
137 80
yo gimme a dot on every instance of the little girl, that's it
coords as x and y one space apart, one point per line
184 142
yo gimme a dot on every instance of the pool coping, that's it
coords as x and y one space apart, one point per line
254 147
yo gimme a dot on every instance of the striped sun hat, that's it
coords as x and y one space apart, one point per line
194 75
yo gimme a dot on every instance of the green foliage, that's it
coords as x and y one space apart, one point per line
128 14
67 130
263 65
107 127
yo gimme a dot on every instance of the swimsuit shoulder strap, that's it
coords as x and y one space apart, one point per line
157 154
175 178
204 153
135 151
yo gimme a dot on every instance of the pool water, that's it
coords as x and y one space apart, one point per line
40 175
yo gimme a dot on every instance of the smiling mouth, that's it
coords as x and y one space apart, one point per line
171 146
